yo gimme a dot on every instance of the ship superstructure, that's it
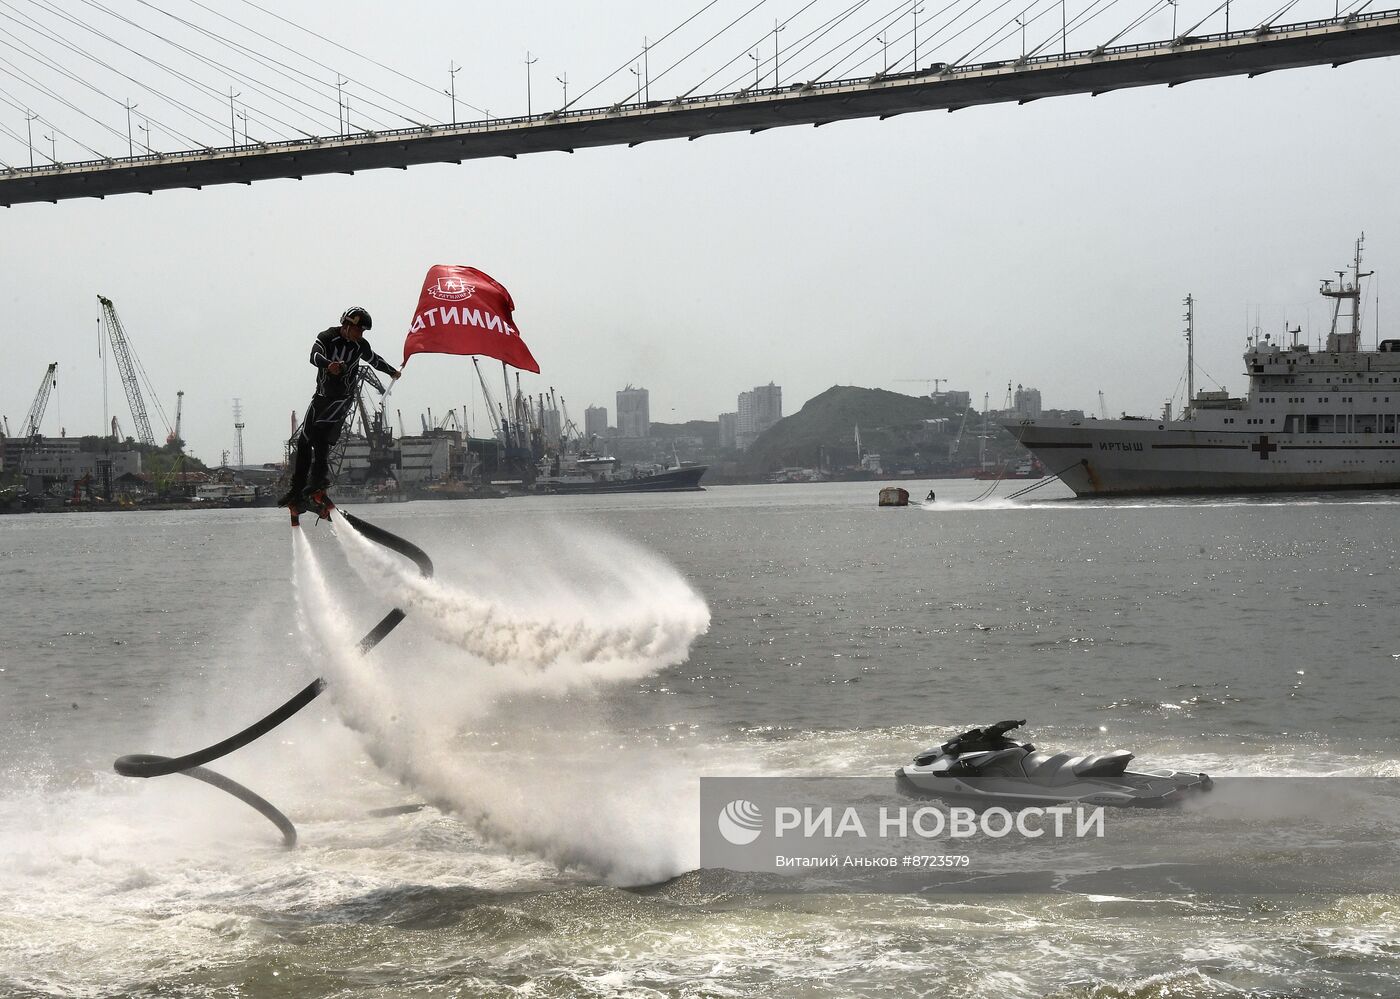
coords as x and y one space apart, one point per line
1311 420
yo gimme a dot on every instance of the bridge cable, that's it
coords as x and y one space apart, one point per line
1192 30
895 66
185 77
800 45
193 112
858 54
931 36
46 120
347 48
723 66
273 64
249 80
1160 5
782 51
1269 21
1006 30
39 56
631 59
858 39
316 62
707 41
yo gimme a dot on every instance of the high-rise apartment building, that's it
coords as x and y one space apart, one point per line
728 430
595 421
633 412
759 409
1027 403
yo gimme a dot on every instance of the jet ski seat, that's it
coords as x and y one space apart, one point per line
1043 768
1104 766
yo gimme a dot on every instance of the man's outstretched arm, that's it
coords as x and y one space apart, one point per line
374 360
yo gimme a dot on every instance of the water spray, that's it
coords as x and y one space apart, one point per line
192 764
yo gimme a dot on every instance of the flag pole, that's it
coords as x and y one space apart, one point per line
510 403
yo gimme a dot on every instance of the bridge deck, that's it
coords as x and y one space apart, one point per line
1334 41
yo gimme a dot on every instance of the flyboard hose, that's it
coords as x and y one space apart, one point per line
192 764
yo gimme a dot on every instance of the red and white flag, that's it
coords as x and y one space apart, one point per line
463 311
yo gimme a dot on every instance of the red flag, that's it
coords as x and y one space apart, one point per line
463 311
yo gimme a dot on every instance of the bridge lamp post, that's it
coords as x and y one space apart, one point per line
917 11
340 116
29 117
129 106
776 28
646 69
1173 5
564 81
53 149
232 124
529 102
756 62
1022 25
882 41
452 78
146 129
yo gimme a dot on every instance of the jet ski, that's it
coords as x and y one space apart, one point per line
982 767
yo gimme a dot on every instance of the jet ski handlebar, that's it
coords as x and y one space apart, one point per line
981 739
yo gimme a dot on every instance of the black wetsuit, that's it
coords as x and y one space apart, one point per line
335 394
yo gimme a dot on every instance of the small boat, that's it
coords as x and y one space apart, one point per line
593 474
983 767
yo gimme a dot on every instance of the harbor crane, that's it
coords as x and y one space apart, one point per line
128 364
41 402
174 438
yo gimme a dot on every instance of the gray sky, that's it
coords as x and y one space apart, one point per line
1048 245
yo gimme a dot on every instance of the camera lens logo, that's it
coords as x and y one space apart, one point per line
740 822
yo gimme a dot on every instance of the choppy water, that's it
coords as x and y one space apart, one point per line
582 661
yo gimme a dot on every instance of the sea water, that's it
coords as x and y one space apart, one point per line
576 665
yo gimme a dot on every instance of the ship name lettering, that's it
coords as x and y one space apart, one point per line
1119 446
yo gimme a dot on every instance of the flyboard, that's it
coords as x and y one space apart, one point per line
461 310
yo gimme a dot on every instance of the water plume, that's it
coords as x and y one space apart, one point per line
592 626
504 720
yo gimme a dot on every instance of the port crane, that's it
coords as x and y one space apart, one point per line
935 382
128 364
41 401
174 437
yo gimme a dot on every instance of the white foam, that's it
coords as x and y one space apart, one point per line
500 719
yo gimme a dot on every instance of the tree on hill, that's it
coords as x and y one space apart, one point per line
889 424
706 430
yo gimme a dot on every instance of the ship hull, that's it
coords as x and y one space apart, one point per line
1151 458
670 481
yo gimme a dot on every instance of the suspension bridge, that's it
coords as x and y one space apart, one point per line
1261 48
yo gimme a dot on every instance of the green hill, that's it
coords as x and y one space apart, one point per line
890 424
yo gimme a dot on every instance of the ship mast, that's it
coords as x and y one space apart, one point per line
1188 411
1350 342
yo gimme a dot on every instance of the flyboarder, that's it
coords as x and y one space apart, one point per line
336 354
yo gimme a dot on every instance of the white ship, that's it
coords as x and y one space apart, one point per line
1310 421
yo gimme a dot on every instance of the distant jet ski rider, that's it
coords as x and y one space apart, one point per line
336 353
